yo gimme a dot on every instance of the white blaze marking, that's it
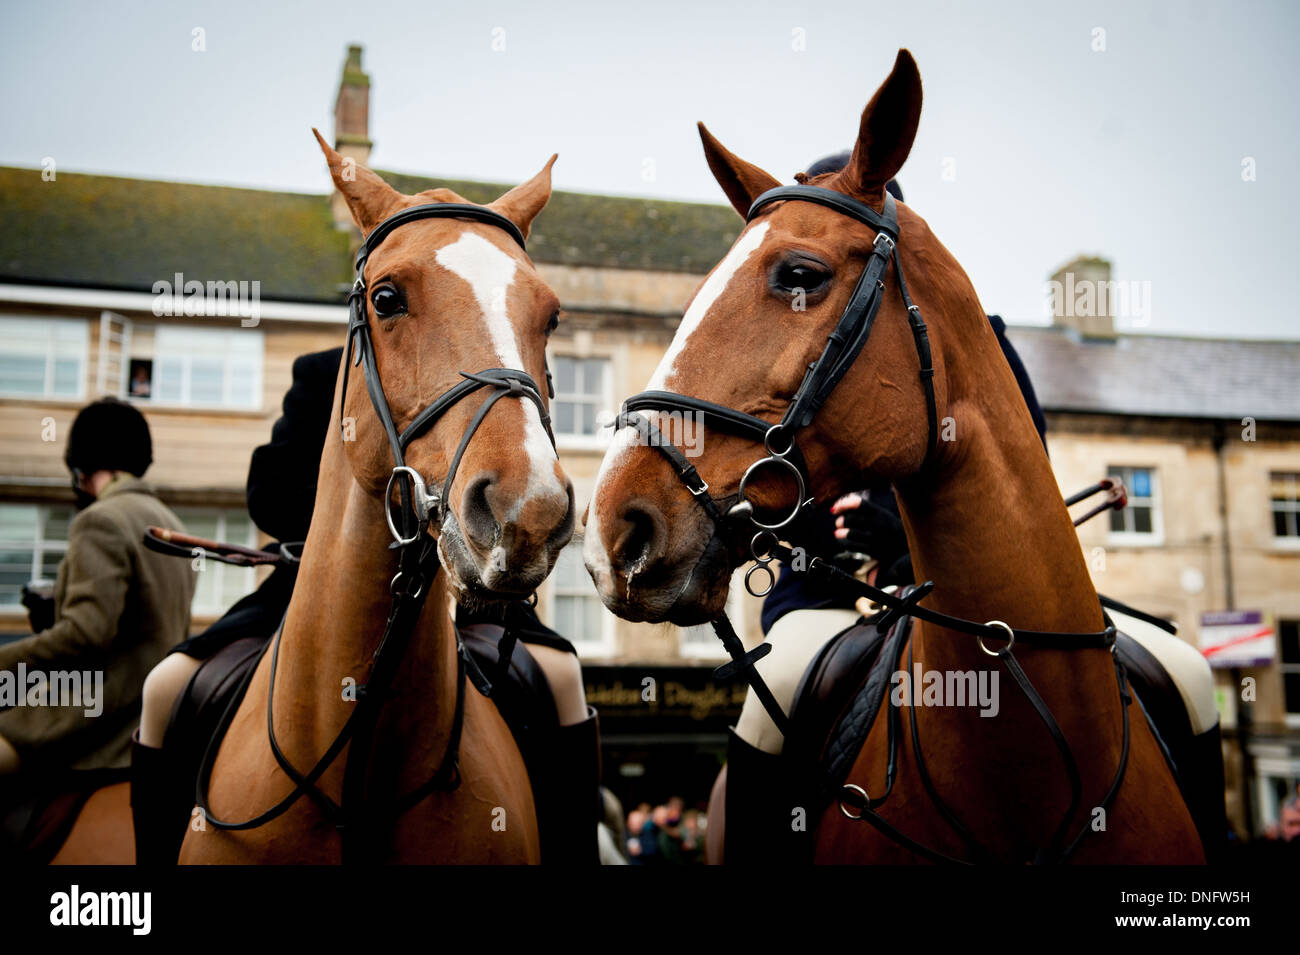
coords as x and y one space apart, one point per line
712 288
490 273
593 549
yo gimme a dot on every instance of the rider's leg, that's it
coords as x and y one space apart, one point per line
570 811
795 638
161 688
160 802
9 760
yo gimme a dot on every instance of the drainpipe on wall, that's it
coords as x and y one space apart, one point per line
1245 715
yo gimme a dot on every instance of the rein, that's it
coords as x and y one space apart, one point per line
356 818
842 349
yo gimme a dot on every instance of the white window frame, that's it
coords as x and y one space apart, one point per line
186 355
211 566
1156 536
39 546
600 648
1288 541
83 357
585 442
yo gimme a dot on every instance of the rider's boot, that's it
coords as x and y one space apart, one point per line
160 806
569 803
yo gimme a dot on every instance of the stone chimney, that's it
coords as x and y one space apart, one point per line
1083 298
351 125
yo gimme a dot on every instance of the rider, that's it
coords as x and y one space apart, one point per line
281 494
116 611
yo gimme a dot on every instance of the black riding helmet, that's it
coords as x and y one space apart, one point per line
109 435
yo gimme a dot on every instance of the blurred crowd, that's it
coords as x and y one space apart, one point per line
668 834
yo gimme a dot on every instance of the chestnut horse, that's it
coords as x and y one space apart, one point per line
984 517
442 296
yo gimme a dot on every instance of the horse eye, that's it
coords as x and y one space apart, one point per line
800 275
388 301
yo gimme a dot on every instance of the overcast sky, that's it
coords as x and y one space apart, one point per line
1033 146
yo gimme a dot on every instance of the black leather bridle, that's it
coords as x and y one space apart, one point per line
360 821
842 349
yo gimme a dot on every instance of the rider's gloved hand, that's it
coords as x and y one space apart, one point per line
864 526
40 608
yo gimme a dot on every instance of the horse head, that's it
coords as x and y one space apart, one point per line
446 296
749 335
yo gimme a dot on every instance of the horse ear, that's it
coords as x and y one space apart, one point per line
522 203
369 198
742 182
887 131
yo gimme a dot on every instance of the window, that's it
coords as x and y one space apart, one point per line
33 539
1141 518
1288 633
220 585
1284 489
207 366
579 395
43 357
577 613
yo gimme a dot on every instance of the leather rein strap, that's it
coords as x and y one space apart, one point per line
841 350
359 821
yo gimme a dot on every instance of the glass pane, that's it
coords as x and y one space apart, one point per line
1117 522
50 560
15 570
18 523
564 417
236 582
1141 519
1141 486
1280 528
207 378
591 620
205 589
57 520
565 376
243 385
564 622
239 529
593 372
67 376
23 374
167 373
588 419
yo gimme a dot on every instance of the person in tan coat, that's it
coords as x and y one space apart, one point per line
117 609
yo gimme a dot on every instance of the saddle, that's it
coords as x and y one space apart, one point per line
519 690
845 685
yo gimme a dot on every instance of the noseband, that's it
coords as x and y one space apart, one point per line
359 820
842 349
417 510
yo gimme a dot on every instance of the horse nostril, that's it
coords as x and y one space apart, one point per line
477 521
641 540
564 530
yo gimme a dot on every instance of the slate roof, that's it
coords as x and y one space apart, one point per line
118 233
1163 376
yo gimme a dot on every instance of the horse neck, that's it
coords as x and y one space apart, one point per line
335 622
989 527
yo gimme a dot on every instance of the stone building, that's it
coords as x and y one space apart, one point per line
95 283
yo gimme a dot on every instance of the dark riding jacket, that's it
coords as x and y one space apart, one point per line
118 609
